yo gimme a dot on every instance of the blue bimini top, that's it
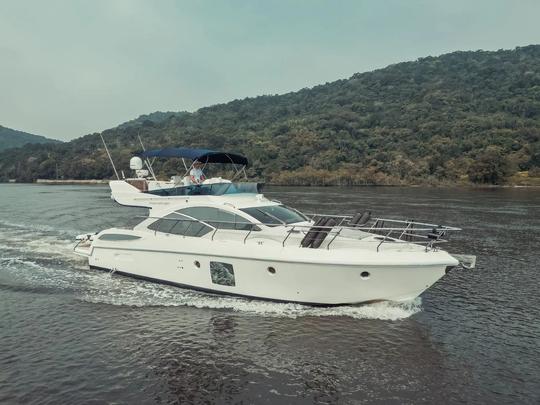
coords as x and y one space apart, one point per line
202 155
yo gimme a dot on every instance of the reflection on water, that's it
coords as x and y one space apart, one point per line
73 335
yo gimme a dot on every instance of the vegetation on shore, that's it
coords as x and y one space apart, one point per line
460 118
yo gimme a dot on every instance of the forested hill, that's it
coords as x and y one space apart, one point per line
457 118
11 138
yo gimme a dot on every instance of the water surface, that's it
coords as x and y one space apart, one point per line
72 335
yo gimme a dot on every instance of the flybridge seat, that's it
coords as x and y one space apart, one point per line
140 184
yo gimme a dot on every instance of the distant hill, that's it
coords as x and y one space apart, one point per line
463 117
11 138
152 118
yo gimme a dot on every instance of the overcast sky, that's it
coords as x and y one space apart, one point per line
68 68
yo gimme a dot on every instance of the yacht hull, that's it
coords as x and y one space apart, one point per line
314 283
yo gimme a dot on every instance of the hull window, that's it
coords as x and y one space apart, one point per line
222 273
118 236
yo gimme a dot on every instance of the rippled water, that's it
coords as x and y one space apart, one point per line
72 335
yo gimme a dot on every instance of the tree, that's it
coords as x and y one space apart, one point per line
490 167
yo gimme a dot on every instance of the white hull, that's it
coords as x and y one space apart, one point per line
320 277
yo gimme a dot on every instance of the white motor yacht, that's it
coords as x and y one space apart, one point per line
227 238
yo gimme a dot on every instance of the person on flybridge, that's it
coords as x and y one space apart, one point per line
196 174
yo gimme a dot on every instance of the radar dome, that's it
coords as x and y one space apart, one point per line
135 163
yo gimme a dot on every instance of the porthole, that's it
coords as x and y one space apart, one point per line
364 275
197 264
271 270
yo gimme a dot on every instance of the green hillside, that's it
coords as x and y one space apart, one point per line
152 118
11 138
458 118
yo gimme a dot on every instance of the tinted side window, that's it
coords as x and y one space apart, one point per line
218 218
197 229
162 225
179 225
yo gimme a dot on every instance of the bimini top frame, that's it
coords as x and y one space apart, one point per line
201 155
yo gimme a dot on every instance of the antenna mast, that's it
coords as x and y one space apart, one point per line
110 158
147 161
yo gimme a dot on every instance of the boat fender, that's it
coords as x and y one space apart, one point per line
366 216
321 235
354 220
360 219
312 233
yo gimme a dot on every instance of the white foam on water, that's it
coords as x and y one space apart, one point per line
17 261
114 290
35 274
32 227
37 228
36 243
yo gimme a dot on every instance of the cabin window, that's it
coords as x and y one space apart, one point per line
275 215
118 236
222 273
179 225
218 218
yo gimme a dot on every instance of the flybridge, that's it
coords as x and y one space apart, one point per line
130 192
145 190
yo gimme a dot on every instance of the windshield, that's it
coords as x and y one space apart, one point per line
275 215
209 189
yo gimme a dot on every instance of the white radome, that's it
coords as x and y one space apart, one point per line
135 163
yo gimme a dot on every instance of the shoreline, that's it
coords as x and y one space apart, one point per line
52 182
69 181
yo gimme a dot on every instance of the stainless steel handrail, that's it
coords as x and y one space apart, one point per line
385 237
400 221
336 231
430 227
287 237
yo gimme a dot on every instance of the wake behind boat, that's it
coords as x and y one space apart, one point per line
225 237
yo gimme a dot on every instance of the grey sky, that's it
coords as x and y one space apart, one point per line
69 68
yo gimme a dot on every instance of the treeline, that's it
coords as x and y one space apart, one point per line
463 117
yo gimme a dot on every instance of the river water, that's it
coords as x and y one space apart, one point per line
73 335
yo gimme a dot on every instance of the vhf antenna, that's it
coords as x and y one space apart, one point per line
147 161
110 158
